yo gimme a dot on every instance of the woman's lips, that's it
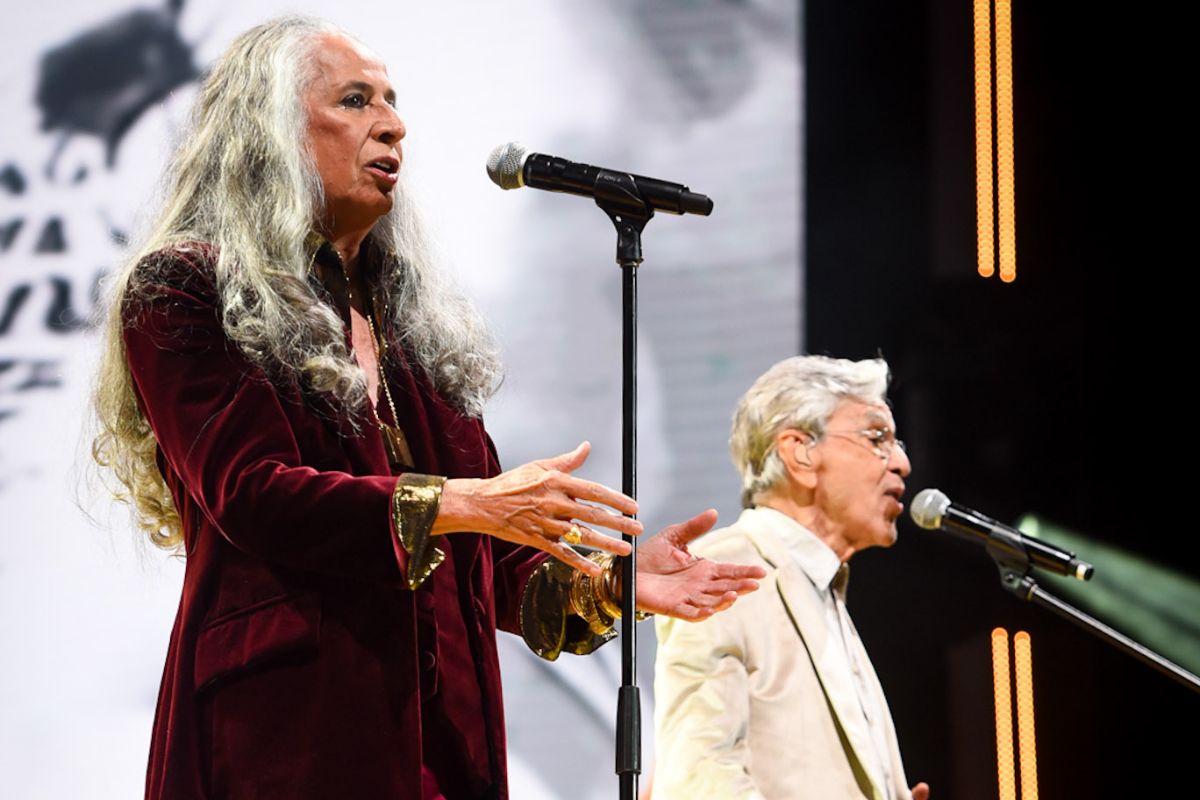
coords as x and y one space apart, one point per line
388 178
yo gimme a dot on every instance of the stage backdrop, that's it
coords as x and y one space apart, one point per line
703 93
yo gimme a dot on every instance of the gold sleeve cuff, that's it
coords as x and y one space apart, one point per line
607 588
550 622
415 502
592 598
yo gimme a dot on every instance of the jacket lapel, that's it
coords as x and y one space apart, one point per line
807 612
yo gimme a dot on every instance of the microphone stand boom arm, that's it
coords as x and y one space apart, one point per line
1013 561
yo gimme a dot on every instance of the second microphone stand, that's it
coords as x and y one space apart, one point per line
1013 562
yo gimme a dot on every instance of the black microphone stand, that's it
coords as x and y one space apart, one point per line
629 212
1013 562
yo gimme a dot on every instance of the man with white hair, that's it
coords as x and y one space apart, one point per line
776 698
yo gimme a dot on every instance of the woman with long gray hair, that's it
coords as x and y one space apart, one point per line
290 396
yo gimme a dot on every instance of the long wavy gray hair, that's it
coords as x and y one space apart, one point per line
239 182
800 392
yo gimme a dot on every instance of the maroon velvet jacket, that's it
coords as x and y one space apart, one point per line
300 666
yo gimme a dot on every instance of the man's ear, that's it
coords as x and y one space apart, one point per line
799 456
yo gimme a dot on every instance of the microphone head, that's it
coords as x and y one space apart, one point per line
928 508
506 164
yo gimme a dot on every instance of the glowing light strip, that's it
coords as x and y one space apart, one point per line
984 221
1005 190
1002 689
1026 740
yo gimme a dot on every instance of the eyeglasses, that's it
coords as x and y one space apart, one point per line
882 441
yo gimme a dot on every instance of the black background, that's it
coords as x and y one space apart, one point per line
1052 395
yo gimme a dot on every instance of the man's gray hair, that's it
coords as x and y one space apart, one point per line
800 392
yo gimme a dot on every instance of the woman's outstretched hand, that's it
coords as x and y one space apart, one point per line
673 582
538 504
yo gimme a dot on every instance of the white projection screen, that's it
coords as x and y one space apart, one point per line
702 92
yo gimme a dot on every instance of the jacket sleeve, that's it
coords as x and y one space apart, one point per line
547 622
234 442
702 708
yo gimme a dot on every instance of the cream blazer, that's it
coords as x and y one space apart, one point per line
749 703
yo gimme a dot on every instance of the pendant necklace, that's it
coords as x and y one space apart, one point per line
394 441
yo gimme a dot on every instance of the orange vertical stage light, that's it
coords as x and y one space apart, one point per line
984 219
1026 739
1005 179
1002 689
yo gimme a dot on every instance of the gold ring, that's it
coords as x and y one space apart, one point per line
573 536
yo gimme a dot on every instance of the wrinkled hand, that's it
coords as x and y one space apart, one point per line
535 504
673 582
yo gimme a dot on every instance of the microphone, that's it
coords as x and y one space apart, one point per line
932 509
511 167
